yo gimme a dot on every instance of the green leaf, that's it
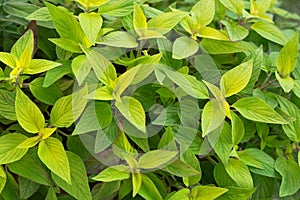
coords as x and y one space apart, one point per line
8 148
48 95
11 189
148 189
30 166
23 49
290 172
8 59
211 33
234 193
133 111
255 109
213 116
102 67
292 129
184 47
79 188
181 169
42 14
67 44
188 83
66 24
270 32
51 195
191 159
223 144
29 117
2 178
118 39
113 173
238 128
27 187
91 24
235 6
139 20
67 109
96 116
39 65
225 47
156 158
287 58
266 163
235 32
164 22
55 74
136 183
236 79
7 104
239 172
207 192
204 11
52 154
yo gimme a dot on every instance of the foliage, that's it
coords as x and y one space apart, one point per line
131 99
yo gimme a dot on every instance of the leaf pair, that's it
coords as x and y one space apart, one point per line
157 26
74 33
63 114
20 58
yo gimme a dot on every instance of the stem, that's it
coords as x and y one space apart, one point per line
265 83
212 161
64 134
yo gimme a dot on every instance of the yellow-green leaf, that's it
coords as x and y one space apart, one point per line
23 49
207 192
204 11
113 173
235 6
8 59
67 109
124 81
133 111
28 114
91 24
164 22
286 83
213 116
255 109
184 47
211 33
156 158
40 65
139 20
29 142
52 154
9 152
92 3
287 58
236 79
270 32
102 93
136 182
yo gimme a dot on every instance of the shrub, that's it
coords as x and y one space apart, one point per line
124 99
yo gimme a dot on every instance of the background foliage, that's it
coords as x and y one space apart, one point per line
132 99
